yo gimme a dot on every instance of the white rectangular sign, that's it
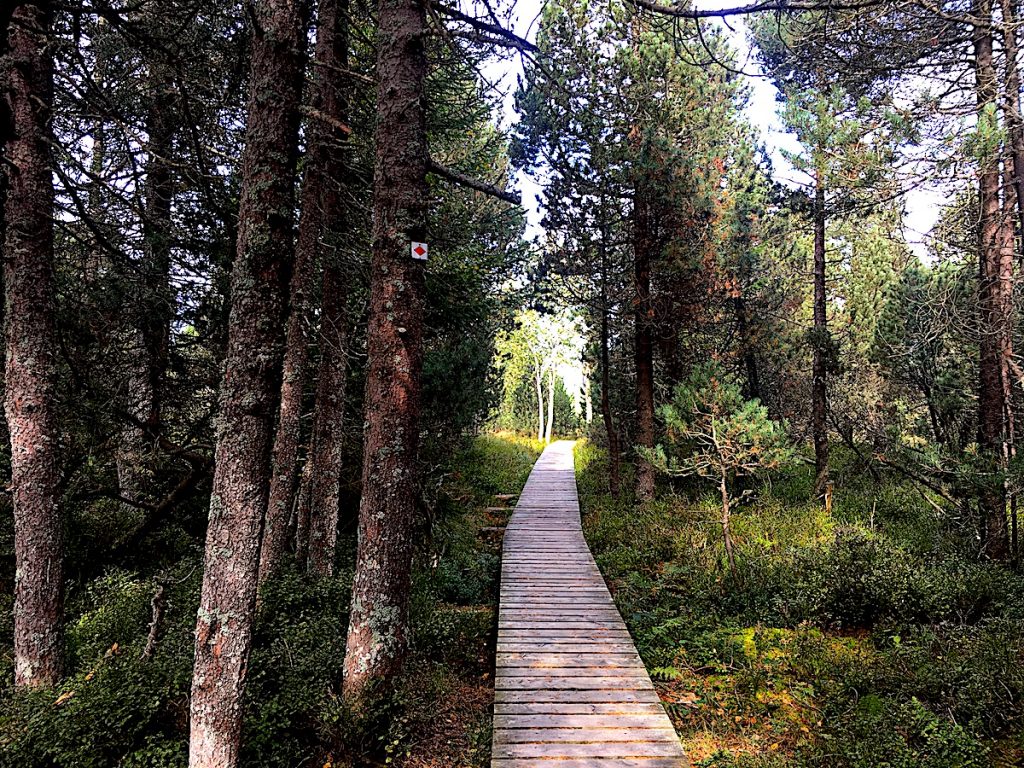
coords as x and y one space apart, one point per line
419 251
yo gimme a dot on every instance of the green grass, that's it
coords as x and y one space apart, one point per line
864 638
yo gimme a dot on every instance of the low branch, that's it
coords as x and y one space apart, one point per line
323 117
468 181
158 603
512 39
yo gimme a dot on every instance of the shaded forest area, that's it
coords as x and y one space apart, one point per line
269 299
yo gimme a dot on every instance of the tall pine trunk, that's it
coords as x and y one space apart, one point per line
614 459
321 212
538 380
148 337
643 244
819 390
31 371
378 624
250 389
329 409
992 304
1012 107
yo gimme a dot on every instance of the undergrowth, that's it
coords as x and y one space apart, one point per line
117 708
868 637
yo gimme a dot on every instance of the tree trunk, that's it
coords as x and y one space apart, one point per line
550 427
329 410
321 210
328 421
538 380
992 310
752 390
819 397
378 624
251 386
614 457
643 244
148 336
31 371
723 487
1011 106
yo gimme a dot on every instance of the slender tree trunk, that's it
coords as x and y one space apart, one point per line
643 244
328 422
819 397
723 487
991 287
378 624
550 428
329 410
251 386
538 380
1011 106
31 372
148 336
614 455
321 211
302 505
752 390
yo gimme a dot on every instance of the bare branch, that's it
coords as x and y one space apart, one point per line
467 181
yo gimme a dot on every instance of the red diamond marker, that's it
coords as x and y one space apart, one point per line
419 251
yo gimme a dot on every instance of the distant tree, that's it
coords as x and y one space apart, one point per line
716 434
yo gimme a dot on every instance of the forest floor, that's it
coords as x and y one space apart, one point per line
117 708
863 638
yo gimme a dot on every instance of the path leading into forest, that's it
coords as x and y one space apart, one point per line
570 689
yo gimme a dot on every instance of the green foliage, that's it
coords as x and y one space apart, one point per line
846 640
717 434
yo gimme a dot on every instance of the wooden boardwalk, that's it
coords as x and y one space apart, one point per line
570 689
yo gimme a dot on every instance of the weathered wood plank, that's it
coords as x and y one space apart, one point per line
570 689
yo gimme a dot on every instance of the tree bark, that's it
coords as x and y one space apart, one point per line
723 488
614 459
378 625
329 409
643 244
321 209
992 295
1011 105
819 396
31 370
251 385
752 390
538 380
550 426
148 334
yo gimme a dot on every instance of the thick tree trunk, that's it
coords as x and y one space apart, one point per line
993 294
251 385
321 210
643 245
378 625
819 397
31 371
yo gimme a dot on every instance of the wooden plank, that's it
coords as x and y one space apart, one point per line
661 748
570 689
571 720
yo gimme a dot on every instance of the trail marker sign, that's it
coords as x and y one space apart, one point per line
419 251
